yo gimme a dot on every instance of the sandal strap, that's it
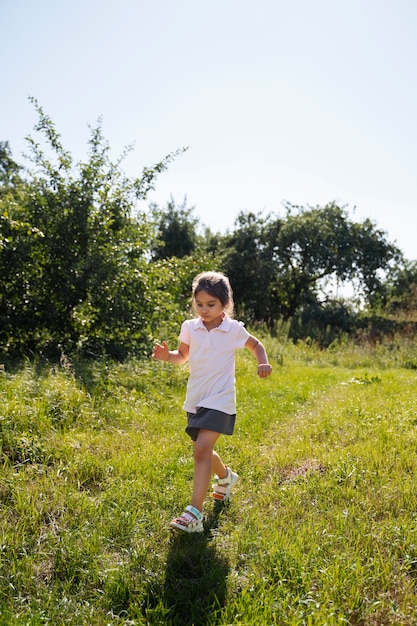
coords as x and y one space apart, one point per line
225 480
195 512
185 519
223 486
219 488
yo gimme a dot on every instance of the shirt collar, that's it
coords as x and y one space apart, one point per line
224 326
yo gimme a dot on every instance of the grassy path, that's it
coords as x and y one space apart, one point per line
321 529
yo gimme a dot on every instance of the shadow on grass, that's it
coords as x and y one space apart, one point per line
195 577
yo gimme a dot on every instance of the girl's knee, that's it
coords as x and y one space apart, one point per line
202 449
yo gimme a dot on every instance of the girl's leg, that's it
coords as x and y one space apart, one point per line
218 466
205 460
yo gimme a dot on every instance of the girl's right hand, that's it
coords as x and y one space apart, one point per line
161 351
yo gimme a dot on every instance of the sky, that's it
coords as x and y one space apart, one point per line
307 102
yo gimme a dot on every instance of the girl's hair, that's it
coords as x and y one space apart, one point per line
218 286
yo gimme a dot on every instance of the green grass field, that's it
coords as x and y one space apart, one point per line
321 528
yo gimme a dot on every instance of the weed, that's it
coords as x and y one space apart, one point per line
321 529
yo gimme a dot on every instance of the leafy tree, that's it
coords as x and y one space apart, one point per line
74 251
17 238
280 266
247 260
400 290
9 170
176 233
318 245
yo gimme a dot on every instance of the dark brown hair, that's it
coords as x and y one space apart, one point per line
218 286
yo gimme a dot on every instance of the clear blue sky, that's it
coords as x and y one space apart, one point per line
306 100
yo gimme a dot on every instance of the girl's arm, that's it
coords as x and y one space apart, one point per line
258 349
163 353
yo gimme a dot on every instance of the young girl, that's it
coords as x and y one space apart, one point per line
209 343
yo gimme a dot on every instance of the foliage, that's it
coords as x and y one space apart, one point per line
279 267
74 252
176 235
399 296
85 270
249 264
324 322
320 529
9 170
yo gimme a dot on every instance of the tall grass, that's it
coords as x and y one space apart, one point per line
321 528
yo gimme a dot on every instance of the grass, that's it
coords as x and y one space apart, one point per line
321 529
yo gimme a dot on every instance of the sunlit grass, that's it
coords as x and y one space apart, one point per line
321 529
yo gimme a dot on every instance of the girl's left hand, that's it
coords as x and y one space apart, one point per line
264 370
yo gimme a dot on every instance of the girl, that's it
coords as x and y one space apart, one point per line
209 343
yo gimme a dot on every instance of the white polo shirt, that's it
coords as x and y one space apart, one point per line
211 362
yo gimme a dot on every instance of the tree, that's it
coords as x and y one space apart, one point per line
400 290
74 250
280 266
9 170
322 244
247 260
17 239
176 231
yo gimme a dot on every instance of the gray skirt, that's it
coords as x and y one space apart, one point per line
209 419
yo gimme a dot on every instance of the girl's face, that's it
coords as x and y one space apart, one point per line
209 308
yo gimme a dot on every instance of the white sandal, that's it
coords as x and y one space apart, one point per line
191 521
223 486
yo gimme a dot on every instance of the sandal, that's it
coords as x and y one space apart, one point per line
223 486
191 521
